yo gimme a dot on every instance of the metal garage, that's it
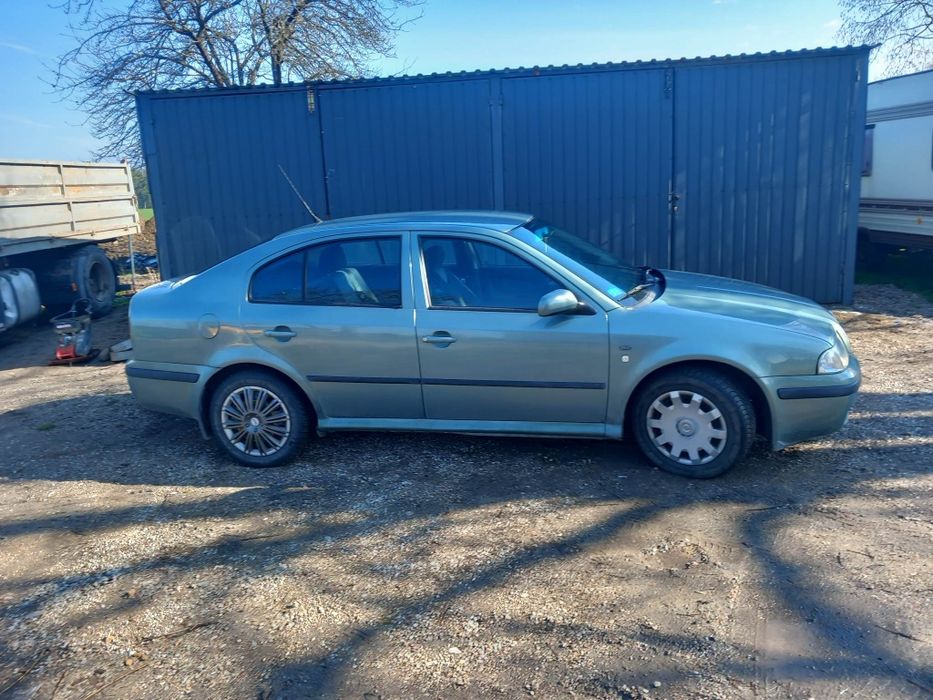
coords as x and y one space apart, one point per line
742 166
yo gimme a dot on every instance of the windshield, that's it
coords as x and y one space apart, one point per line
599 267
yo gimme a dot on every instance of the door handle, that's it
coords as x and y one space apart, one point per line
281 333
439 338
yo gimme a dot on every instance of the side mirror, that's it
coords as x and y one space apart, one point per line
560 301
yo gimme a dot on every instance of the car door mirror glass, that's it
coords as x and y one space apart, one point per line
560 301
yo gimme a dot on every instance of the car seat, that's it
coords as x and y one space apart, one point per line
340 282
445 287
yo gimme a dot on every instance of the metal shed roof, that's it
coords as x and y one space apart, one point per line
518 72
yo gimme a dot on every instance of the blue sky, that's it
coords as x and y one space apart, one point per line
451 35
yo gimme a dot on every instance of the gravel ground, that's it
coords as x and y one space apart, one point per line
136 562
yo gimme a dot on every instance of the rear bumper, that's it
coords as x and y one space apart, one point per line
167 387
803 408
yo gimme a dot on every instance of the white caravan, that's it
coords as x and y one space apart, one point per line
897 174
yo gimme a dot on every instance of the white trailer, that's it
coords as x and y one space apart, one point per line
896 207
52 216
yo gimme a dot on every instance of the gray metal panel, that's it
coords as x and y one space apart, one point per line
591 152
407 147
765 170
45 204
213 164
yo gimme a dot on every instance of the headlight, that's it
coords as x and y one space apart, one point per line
835 359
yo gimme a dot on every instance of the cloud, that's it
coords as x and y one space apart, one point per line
18 47
23 120
833 24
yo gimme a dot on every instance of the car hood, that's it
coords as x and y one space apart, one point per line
749 302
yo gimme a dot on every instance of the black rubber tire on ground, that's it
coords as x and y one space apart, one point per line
94 278
298 424
67 274
738 415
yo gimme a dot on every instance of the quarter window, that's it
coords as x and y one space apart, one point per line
281 281
465 273
353 272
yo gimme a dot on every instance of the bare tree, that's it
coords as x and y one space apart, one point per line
903 28
164 44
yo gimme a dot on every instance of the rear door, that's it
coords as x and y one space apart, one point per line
486 354
340 312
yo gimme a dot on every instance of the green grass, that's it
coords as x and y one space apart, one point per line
908 270
145 214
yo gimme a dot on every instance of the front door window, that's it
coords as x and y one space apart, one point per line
470 274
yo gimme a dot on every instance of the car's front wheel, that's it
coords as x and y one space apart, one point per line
258 419
694 422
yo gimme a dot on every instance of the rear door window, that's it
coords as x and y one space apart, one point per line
351 272
355 272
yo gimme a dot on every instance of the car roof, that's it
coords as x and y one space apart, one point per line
503 221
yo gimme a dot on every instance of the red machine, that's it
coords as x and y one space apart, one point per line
74 334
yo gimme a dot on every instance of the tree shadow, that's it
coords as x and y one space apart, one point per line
381 506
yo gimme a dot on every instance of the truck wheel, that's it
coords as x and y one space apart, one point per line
66 274
94 278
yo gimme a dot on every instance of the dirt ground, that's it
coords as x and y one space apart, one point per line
135 561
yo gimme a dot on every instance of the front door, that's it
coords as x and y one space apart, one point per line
486 354
341 314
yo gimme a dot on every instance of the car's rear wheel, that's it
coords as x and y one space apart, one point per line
258 419
694 422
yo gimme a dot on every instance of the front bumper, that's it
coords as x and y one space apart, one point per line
803 408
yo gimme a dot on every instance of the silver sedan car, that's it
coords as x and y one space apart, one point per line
484 322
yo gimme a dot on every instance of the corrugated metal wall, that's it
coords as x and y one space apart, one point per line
214 171
764 172
739 166
407 147
592 153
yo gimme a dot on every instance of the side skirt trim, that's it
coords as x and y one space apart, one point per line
473 427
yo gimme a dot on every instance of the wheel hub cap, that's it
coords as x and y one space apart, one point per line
255 421
687 427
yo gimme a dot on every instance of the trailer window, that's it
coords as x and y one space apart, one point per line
867 150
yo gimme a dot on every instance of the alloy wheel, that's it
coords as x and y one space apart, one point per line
255 421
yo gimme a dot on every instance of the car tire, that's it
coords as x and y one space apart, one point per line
695 423
258 419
